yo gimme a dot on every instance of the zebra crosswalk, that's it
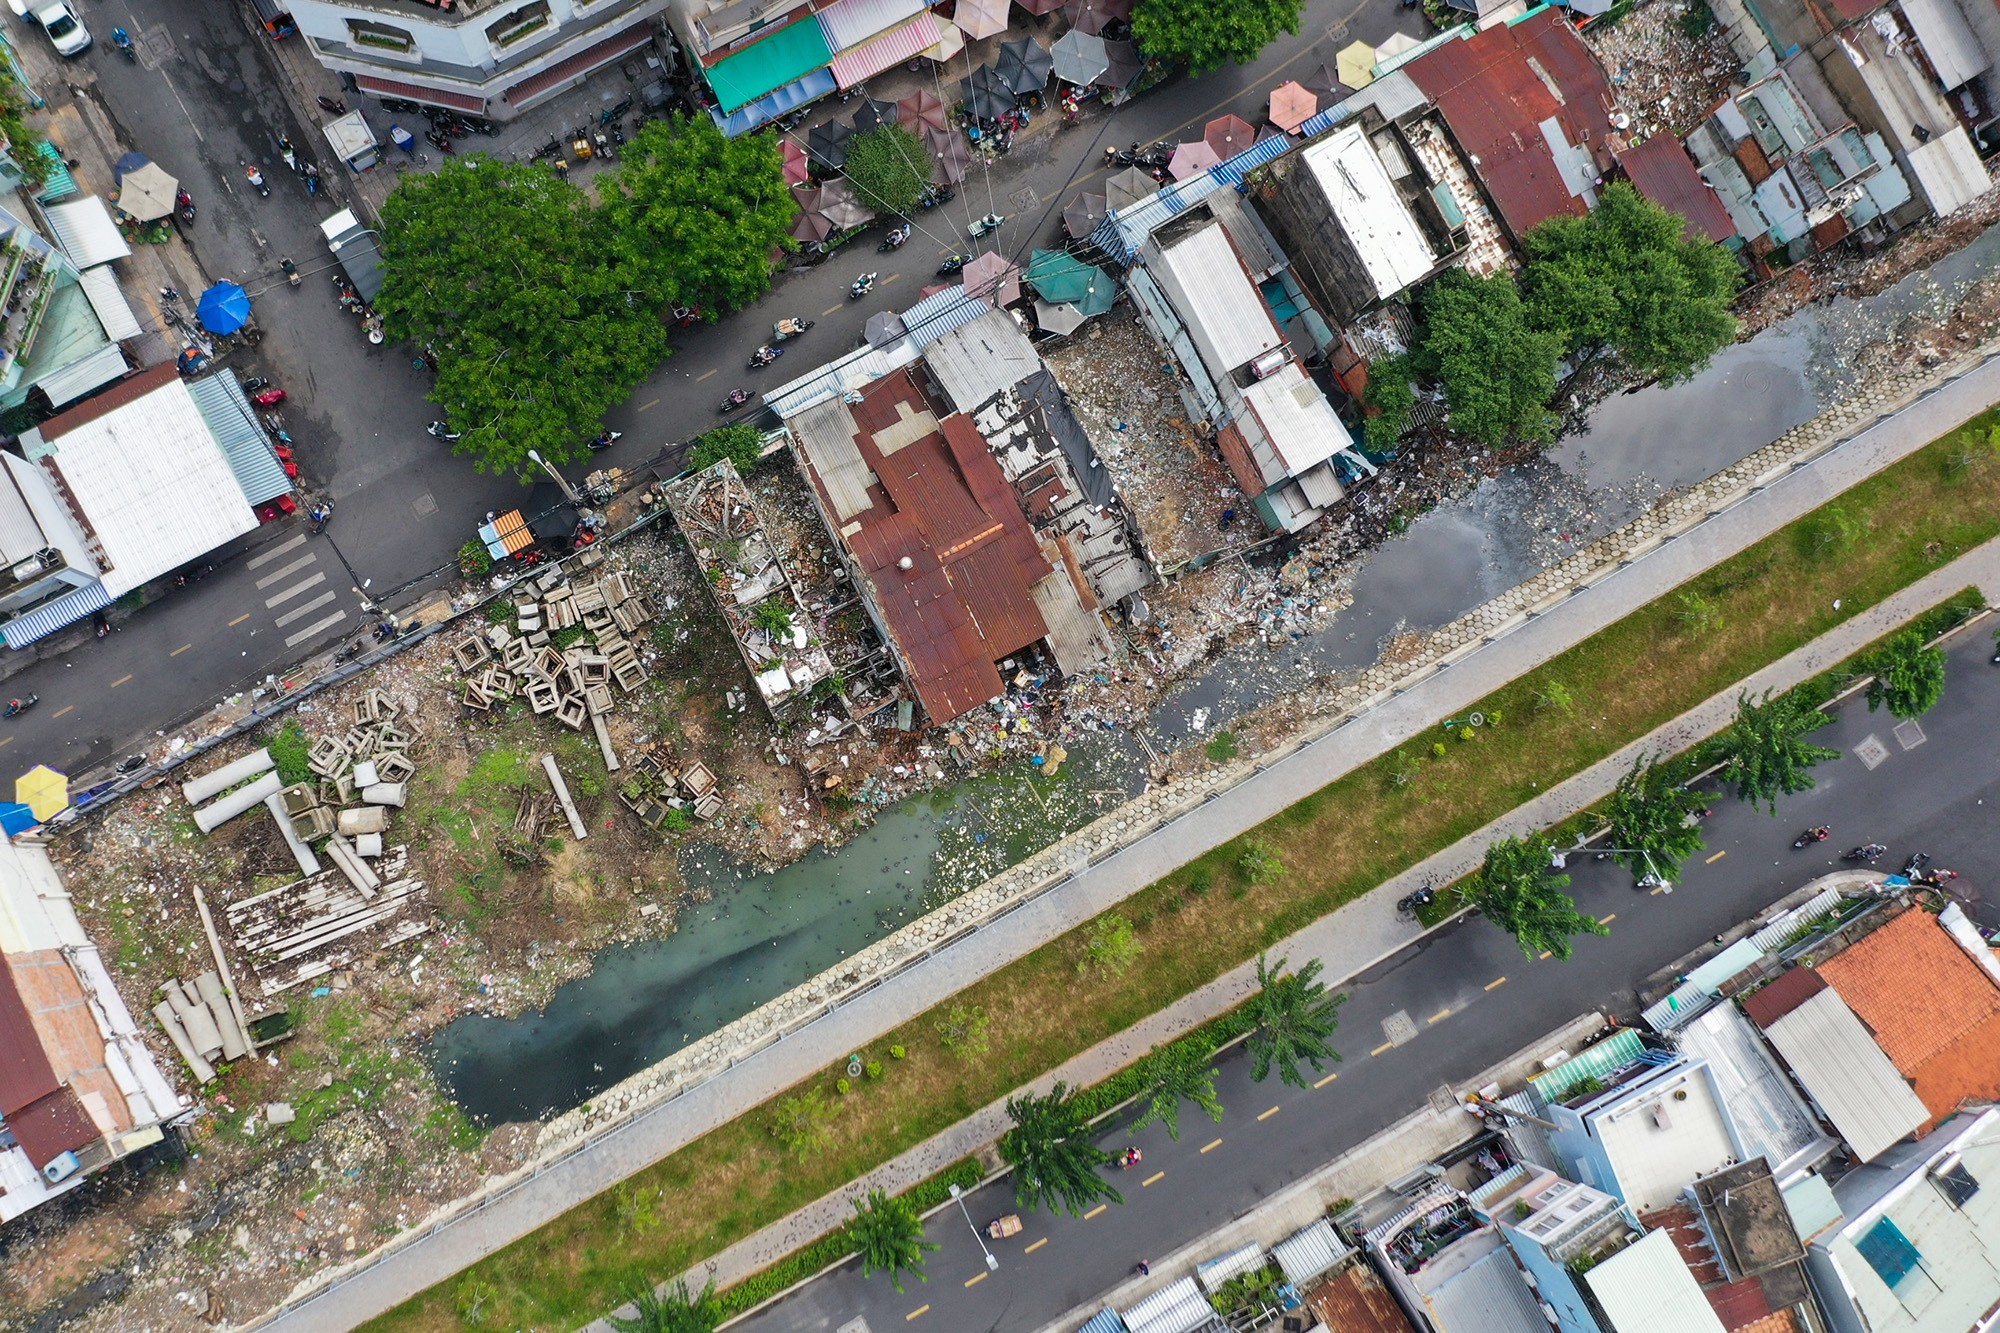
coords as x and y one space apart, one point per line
297 589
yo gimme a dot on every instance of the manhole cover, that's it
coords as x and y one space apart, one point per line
1442 1100
1871 751
425 505
1024 199
854 1326
1399 1027
1909 735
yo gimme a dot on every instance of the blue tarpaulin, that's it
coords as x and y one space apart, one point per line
16 818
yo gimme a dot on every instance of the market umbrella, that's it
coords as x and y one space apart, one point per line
827 144
1397 44
146 193
1191 159
129 162
797 170
837 201
811 224
1079 57
223 308
1323 83
951 156
1292 105
921 111
1024 65
873 115
993 279
1084 213
1125 65
1128 187
1060 277
986 94
951 40
1356 64
1226 136
42 790
1094 16
1058 318
1040 7
883 328
980 18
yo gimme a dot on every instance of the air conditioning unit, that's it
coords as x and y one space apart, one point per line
61 1168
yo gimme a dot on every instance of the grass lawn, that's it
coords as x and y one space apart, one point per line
1208 917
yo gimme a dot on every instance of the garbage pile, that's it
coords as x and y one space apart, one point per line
658 787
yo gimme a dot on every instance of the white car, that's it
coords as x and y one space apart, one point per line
64 28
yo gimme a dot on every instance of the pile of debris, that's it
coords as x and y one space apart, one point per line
656 788
1669 65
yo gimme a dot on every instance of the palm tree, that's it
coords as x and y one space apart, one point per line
1176 1073
1518 893
1293 1016
1767 752
1652 818
889 1235
675 1312
1054 1161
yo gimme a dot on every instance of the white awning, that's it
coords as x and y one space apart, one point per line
78 378
85 231
114 312
850 22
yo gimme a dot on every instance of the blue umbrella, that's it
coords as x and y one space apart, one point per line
223 308
130 162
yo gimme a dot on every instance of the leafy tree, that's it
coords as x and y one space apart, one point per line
1654 817
1625 279
1208 34
887 168
1766 753
1175 1073
1294 1016
803 1124
889 1235
772 616
636 1207
1055 1163
1260 863
1519 893
1697 614
741 444
678 1311
1909 677
696 216
1830 531
1111 947
1392 393
538 328
1555 697
1496 367
962 1030
23 139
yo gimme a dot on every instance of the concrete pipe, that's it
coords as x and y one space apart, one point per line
222 779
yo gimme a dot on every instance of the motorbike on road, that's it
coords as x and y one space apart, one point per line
764 356
862 286
256 179
789 328
123 41
737 398
1811 836
1868 852
986 225
953 265
16 707
440 430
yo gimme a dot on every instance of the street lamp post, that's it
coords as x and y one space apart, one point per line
992 1261
1652 878
569 492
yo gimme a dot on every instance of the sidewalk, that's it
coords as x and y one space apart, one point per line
1348 941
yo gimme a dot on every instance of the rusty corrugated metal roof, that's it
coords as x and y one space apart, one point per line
1661 170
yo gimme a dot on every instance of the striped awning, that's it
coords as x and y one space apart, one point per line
60 184
507 535
892 48
849 23
49 617
417 92
939 314
71 382
114 312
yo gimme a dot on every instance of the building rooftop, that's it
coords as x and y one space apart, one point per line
1198 268
1647 1288
1660 1132
1934 1012
1476 1287
1770 1119
1355 1301
1837 1061
1378 224
1751 1232
1661 170
1297 419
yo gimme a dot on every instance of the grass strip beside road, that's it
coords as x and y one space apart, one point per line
1209 916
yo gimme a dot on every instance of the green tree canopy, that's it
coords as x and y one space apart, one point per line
676 1311
1909 677
889 1235
697 215
502 269
1294 1017
1393 395
1518 892
1496 367
1055 1163
1766 751
741 444
887 169
1626 279
1652 820
1210 33
1175 1073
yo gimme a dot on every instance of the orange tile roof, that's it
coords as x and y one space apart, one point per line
1933 1010
1778 1321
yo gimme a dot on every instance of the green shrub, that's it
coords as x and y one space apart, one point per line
499 611
289 750
873 1069
1111 948
1222 747
897 1052
962 1030
1259 862
676 820
841 1086
473 560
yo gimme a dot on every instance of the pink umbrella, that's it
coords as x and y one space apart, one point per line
950 157
810 224
1226 136
1291 105
1191 159
920 111
992 278
980 18
797 172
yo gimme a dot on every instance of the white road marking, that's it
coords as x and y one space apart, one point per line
284 572
306 608
314 628
295 590
276 551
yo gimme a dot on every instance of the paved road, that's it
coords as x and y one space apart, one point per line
1434 1015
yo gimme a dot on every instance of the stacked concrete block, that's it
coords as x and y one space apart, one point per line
470 652
328 756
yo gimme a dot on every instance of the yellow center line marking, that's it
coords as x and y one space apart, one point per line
120 681
1212 1146
1546 953
1607 920
1044 1240
832 309
1656 892
975 1279
178 651
706 374
4 744
656 402
920 1310
1713 859
1328 1079
1157 1175
1439 1016
1095 1211
239 620
1496 983
1268 1114
67 708
1383 1047
891 278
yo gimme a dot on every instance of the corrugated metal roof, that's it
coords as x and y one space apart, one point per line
1104 1321
1646 1288
1948 171
1310 1251
1767 1113
84 229
1490 1296
886 51
1607 1057
851 22
1215 298
1947 39
26 1076
940 313
100 287
60 184
1212 1273
1297 419
1662 171
1178 1307
1846 1073
843 375
226 409
984 358
79 377
771 62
